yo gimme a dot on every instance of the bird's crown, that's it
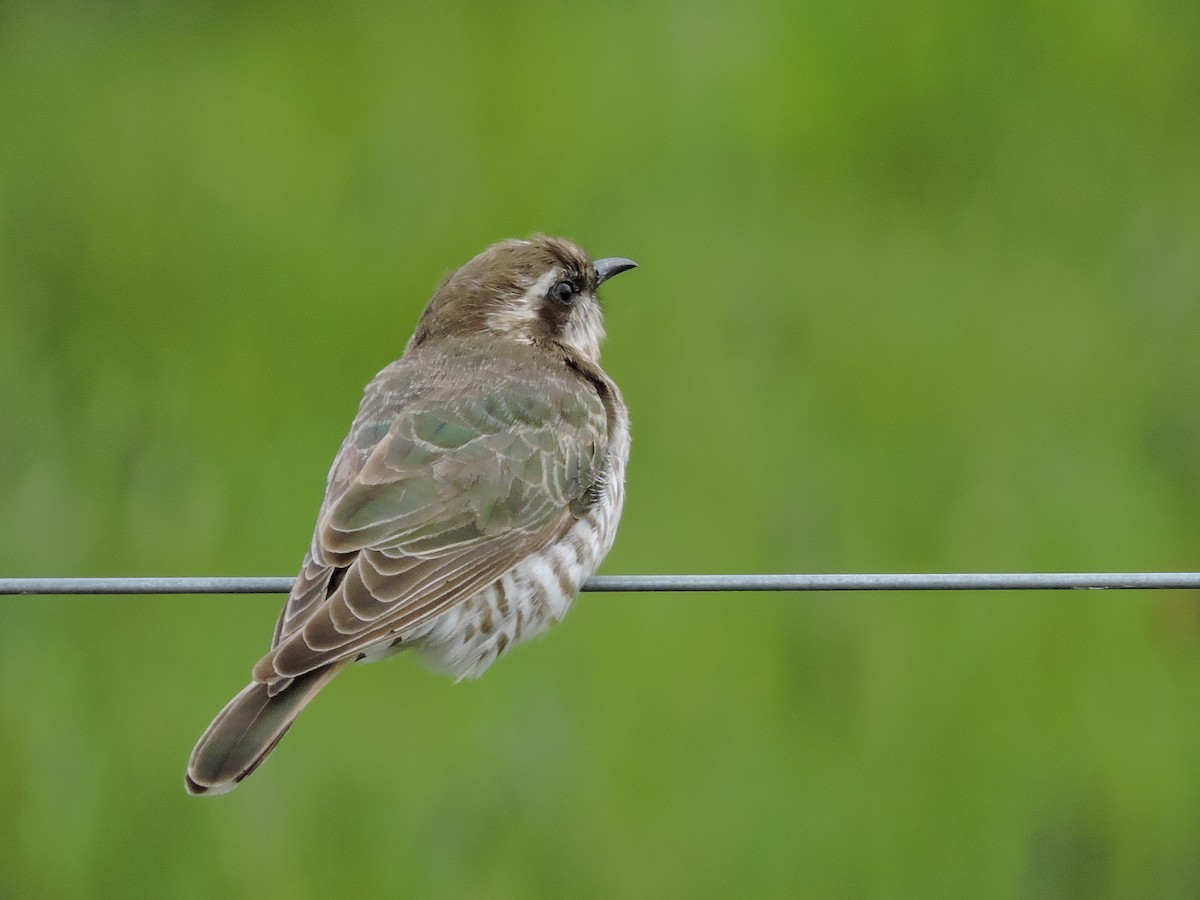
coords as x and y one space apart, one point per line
536 291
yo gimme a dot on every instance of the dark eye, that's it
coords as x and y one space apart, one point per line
564 292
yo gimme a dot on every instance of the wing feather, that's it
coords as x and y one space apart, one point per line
460 463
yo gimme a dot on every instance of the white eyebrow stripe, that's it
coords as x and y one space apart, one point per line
513 317
539 287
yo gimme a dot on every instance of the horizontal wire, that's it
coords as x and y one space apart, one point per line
997 581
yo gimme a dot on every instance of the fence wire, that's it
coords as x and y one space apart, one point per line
951 581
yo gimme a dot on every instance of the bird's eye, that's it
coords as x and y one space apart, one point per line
564 292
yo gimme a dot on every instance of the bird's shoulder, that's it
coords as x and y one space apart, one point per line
492 433
461 389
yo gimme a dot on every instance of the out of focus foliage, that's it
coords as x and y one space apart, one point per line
918 292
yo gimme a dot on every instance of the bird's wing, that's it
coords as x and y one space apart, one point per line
442 486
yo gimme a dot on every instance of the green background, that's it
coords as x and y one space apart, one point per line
918 292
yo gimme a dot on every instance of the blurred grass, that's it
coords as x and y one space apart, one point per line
918 292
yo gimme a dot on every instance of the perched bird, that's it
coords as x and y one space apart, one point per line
479 487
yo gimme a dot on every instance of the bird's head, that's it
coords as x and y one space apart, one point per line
539 291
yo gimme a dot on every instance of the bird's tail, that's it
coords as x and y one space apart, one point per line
247 729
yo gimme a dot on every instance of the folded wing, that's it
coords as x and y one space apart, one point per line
443 485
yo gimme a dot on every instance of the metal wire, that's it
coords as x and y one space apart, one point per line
1019 581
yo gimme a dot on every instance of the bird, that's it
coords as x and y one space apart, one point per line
479 486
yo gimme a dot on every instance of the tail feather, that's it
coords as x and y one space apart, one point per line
247 729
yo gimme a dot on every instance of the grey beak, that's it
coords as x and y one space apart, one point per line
614 265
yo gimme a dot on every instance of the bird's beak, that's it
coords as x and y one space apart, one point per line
614 265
